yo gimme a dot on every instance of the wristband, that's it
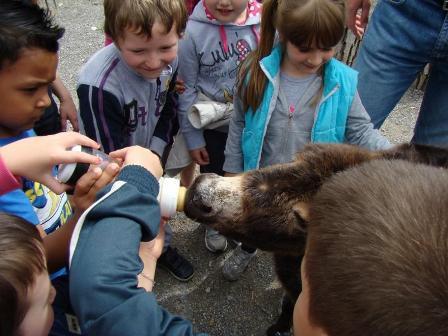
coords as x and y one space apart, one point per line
9 182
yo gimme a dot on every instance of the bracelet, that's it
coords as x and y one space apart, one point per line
147 277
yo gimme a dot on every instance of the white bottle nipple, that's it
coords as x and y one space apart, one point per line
171 196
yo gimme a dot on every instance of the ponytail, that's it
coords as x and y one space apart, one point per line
251 78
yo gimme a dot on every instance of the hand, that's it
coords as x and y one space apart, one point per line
34 158
200 156
149 252
90 184
352 8
137 155
358 26
179 86
67 110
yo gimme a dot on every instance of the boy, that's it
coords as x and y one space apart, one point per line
28 62
126 90
378 266
25 289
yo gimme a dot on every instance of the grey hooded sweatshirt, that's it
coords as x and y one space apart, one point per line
209 56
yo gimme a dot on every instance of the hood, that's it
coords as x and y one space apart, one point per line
201 14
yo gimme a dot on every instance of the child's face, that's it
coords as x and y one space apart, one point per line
148 57
39 317
301 321
227 11
306 61
24 90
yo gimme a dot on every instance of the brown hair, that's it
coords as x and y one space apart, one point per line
140 15
377 252
301 22
21 260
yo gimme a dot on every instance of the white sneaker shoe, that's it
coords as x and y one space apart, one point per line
214 241
237 263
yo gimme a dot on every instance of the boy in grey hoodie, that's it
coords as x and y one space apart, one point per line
126 90
218 37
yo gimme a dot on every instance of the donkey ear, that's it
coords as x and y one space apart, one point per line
302 212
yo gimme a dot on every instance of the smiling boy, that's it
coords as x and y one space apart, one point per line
126 90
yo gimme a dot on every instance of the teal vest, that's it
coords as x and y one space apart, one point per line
330 123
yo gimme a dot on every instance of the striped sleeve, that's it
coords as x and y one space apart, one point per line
102 117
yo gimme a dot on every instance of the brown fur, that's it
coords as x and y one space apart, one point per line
273 203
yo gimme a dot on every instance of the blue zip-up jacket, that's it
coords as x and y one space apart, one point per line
104 262
339 116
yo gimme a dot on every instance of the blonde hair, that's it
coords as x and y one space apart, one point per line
140 15
301 22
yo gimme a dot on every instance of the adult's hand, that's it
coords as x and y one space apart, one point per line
352 8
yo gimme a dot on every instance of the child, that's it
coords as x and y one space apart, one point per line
28 62
25 289
293 92
104 276
126 90
384 276
218 37
55 118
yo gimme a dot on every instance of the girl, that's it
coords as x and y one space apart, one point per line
292 92
218 37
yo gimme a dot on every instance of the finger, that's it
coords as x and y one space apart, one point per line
86 182
205 156
119 154
69 157
74 122
74 138
107 176
63 122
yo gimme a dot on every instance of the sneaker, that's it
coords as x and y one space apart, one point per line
178 266
214 241
237 263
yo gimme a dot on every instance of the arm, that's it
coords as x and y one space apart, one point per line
105 261
233 154
102 117
34 158
167 125
352 8
360 131
57 243
67 108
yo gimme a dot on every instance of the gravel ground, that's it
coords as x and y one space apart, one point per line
248 306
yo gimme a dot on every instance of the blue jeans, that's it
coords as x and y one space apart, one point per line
401 38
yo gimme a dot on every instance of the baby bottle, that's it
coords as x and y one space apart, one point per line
71 172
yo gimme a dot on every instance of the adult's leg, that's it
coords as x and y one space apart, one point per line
432 123
397 45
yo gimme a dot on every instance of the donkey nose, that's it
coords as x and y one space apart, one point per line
200 197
